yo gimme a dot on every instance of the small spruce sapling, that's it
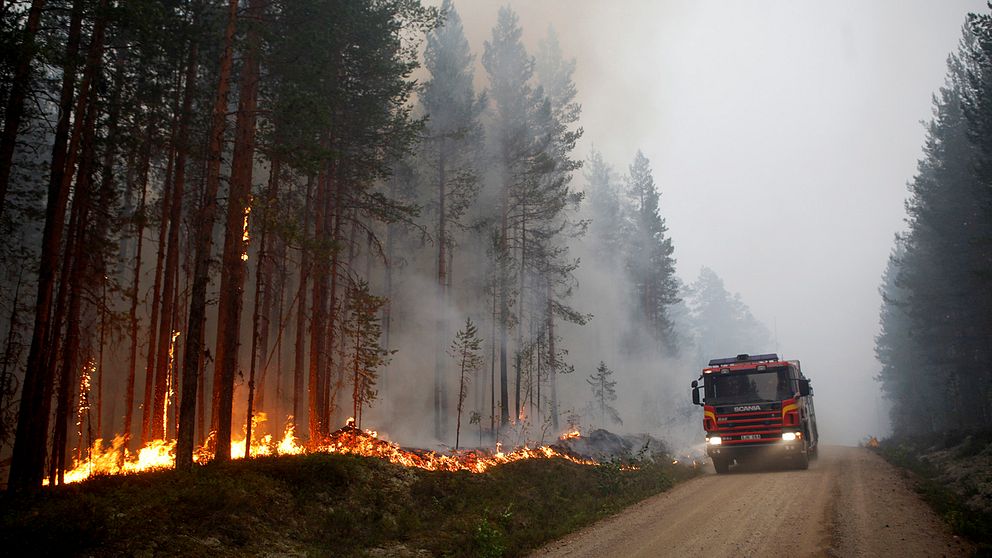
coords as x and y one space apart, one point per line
603 393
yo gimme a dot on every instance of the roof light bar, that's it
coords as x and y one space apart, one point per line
743 358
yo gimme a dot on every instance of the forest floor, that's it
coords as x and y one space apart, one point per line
953 473
325 505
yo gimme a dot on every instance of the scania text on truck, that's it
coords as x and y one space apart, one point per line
756 406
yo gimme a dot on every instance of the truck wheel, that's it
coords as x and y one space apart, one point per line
802 460
721 465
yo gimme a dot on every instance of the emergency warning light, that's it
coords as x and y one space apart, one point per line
743 358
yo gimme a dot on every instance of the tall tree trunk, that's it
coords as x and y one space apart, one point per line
139 226
335 209
301 308
77 252
552 360
318 320
160 322
492 371
31 440
235 255
164 354
193 357
387 307
254 346
264 287
440 330
518 356
19 86
504 312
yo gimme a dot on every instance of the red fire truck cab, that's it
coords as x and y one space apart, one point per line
756 406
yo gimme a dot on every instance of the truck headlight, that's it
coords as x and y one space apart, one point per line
714 440
788 436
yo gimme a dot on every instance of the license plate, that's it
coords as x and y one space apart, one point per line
751 437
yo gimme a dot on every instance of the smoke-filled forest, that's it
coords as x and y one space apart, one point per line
474 277
935 345
231 221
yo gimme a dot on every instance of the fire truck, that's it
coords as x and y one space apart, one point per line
754 407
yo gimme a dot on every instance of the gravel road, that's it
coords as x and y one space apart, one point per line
849 503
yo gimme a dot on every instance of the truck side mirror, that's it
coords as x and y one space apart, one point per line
695 392
804 388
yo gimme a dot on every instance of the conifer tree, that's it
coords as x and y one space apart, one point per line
603 394
649 259
454 135
510 69
466 350
364 354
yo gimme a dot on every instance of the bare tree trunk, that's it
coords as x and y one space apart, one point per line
27 465
139 225
301 314
235 255
164 354
552 360
78 253
154 337
19 85
440 333
504 318
518 357
492 372
334 208
263 282
318 321
254 348
6 377
193 357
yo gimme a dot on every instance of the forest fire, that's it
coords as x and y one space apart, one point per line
570 435
349 440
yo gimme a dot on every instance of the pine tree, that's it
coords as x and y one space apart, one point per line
649 260
365 355
510 69
936 321
454 135
720 321
466 350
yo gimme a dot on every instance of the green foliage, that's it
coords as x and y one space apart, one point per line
603 393
364 353
323 505
649 255
937 288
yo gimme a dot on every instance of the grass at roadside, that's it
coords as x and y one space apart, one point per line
951 473
325 505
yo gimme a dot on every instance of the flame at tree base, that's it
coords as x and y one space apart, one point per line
160 454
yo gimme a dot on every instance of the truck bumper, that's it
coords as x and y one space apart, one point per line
741 452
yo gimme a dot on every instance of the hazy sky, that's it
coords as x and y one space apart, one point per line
782 135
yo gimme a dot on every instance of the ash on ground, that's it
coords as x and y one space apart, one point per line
603 445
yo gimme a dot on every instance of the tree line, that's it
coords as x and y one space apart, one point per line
935 344
219 211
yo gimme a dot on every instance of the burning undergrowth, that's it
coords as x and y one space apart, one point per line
328 503
115 459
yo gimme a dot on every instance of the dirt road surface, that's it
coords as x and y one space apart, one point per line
849 503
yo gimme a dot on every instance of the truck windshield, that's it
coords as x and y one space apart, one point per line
748 387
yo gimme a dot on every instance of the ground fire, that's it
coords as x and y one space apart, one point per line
113 459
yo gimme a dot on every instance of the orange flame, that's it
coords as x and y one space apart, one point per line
571 434
349 440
